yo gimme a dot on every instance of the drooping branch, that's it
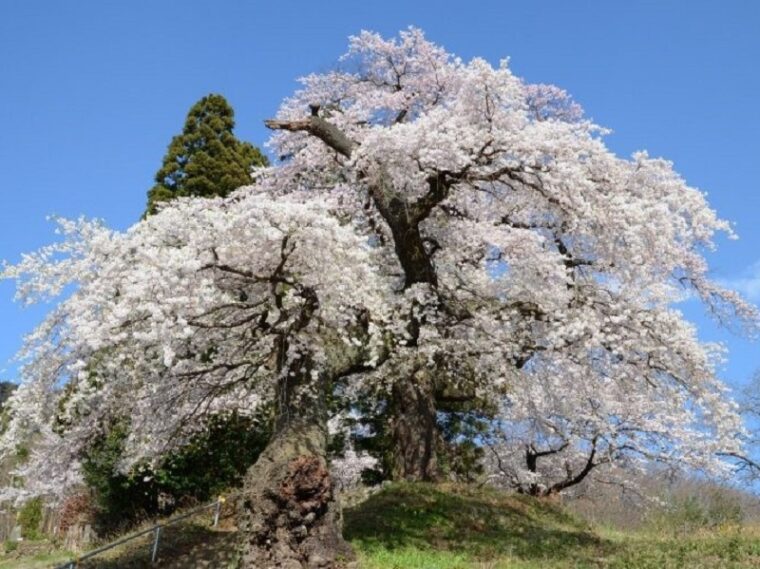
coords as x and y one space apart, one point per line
744 462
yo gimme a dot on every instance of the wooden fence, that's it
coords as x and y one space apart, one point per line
77 537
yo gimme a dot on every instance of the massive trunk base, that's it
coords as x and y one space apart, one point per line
290 518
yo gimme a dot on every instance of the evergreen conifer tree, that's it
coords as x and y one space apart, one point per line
206 160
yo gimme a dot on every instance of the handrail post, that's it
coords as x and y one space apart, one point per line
218 510
154 553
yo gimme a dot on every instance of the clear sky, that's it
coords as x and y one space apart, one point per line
92 91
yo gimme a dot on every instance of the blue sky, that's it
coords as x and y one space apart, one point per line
91 92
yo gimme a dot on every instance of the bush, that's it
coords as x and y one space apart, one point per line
712 509
685 515
215 460
75 509
30 519
724 508
659 500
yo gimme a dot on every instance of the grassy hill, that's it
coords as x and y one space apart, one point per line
421 526
450 527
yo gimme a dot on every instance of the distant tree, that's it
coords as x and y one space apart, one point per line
206 160
749 462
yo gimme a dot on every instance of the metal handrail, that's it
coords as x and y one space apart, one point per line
155 529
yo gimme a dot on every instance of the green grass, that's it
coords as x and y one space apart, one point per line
422 526
457 527
35 561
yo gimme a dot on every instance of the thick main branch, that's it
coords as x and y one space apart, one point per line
327 132
403 217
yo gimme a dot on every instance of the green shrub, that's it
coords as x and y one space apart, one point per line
687 515
724 509
711 509
30 519
215 460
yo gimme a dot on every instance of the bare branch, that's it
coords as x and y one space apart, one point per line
327 132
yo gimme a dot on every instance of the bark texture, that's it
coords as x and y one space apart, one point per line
289 516
414 429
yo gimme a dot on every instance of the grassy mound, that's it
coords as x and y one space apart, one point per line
461 527
445 527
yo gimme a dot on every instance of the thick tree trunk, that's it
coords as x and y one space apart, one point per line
414 429
407 241
289 516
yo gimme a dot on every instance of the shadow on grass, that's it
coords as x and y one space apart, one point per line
181 546
480 523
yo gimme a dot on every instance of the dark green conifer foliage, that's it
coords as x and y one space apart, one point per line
206 160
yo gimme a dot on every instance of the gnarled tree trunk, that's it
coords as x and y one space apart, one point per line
414 429
289 516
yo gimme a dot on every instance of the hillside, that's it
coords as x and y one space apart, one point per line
464 527
427 527
457 526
